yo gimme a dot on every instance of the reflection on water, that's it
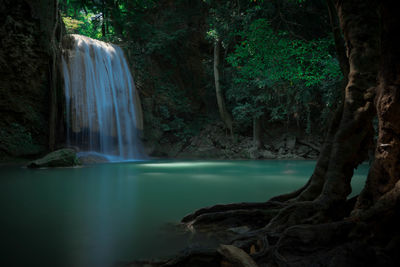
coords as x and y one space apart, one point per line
102 214
188 164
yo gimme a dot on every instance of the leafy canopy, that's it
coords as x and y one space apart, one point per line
280 75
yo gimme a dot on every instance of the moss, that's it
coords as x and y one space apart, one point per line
17 141
24 74
59 158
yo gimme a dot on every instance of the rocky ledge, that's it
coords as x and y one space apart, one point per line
213 142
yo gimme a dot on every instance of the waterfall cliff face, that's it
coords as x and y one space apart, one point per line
30 32
102 106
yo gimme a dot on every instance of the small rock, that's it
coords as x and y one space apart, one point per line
254 153
236 256
290 142
253 250
278 144
266 154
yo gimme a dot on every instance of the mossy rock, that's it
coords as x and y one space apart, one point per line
59 158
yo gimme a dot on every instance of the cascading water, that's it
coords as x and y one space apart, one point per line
102 106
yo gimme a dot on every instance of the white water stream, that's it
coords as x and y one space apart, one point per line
102 106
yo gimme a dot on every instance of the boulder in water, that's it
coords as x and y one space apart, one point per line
60 158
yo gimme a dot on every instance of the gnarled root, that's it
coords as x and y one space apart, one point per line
307 212
232 216
230 207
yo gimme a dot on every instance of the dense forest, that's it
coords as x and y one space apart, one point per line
206 70
260 79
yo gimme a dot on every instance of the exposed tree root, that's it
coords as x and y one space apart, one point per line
297 213
229 208
369 238
251 218
291 196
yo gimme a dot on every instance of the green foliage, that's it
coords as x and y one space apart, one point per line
84 24
173 110
279 76
72 25
16 140
159 41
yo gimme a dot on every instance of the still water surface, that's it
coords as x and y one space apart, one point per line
102 214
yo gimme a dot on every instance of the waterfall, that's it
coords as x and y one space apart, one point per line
102 106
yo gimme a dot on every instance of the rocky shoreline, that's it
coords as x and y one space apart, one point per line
215 143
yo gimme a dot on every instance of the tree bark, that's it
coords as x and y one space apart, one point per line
103 14
257 133
359 20
385 170
339 42
317 179
65 7
54 75
223 112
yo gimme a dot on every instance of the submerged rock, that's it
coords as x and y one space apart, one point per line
92 159
60 158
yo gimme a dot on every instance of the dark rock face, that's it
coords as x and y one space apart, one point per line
59 158
25 58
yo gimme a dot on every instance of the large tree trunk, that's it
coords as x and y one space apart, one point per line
223 112
360 23
385 171
313 188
